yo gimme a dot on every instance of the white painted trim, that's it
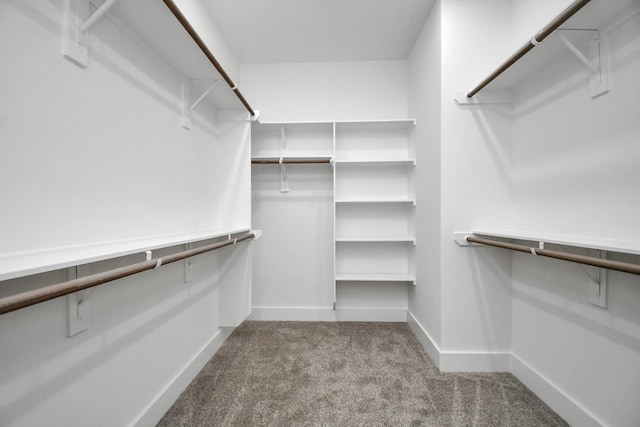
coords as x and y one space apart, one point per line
458 361
327 314
161 403
558 400
469 361
425 339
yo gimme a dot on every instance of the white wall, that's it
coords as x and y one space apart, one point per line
425 76
327 91
475 165
199 16
528 17
575 172
92 154
293 262
293 265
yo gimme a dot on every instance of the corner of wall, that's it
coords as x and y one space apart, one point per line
160 404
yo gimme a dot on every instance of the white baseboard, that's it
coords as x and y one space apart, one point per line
572 412
467 361
455 361
167 396
551 394
328 314
425 339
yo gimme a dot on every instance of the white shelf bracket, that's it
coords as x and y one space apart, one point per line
187 106
76 25
598 287
188 269
597 61
460 237
284 150
78 307
284 178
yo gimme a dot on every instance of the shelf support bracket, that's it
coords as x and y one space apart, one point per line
78 307
284 150
598 287
186 106
188 266
76 25
284 178
598 48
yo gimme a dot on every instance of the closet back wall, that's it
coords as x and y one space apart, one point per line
293 262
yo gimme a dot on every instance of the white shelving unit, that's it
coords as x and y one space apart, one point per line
374 191
374 202
293 140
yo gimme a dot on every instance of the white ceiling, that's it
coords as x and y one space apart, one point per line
274 31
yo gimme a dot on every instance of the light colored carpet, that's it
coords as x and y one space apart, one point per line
345 374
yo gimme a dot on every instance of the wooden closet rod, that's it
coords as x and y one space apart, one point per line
539 37
25 299
196 38
275 161
580 259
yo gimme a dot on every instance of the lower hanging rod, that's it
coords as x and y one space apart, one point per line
36 296
580 259
292 160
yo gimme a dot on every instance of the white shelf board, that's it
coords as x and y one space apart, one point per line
376 124
376 239
305 124
369 277
20 264
407 162
291 156
369 200
613 245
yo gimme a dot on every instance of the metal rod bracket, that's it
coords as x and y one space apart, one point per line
460 238
598 287
78 307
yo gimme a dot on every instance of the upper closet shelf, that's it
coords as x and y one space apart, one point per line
611 245
406 162
376 200
20 264
580 30
162 29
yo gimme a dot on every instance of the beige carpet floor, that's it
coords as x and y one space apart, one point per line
345 374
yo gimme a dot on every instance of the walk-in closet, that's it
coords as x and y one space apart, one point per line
373 212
